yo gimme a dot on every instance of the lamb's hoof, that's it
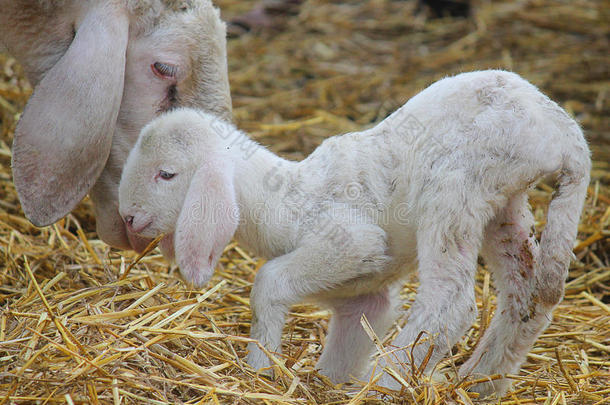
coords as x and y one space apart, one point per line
335 374
443 376
489 388
258 360
486 388
335 378
386 381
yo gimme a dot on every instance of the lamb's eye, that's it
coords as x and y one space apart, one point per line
166 175
164 70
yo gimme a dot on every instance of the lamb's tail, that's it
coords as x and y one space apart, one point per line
558 237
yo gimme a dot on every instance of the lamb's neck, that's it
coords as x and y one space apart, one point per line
259 176
252 175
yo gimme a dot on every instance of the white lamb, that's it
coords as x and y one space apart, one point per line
440 181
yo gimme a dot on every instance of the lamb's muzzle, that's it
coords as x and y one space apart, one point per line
440 181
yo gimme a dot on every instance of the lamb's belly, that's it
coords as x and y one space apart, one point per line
403 252
367 284
401 231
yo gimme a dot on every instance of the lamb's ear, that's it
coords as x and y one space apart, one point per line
63 138
208 220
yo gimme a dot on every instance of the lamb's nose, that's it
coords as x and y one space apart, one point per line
129 220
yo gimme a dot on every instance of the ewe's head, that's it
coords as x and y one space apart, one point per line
176 58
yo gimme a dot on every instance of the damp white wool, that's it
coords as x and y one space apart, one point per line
439 182
101 70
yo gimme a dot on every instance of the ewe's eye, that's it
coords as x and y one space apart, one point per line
164 70
165 175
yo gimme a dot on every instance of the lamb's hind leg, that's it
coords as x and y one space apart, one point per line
348 348
445 304
510 250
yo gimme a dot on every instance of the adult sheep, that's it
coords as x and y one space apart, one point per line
101 70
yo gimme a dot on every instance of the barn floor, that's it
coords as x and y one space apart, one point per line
81 324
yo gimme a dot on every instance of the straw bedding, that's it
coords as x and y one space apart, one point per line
81 324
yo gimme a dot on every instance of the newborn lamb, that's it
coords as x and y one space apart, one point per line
440 181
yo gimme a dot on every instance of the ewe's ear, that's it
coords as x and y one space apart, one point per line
208 220
63 139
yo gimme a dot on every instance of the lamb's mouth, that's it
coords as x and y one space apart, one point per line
138 231
137 241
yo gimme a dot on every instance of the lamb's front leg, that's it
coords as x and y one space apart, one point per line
272 295
315 269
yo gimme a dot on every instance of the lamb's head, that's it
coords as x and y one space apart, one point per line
157 175
178 180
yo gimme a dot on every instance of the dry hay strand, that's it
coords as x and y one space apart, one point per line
77 327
